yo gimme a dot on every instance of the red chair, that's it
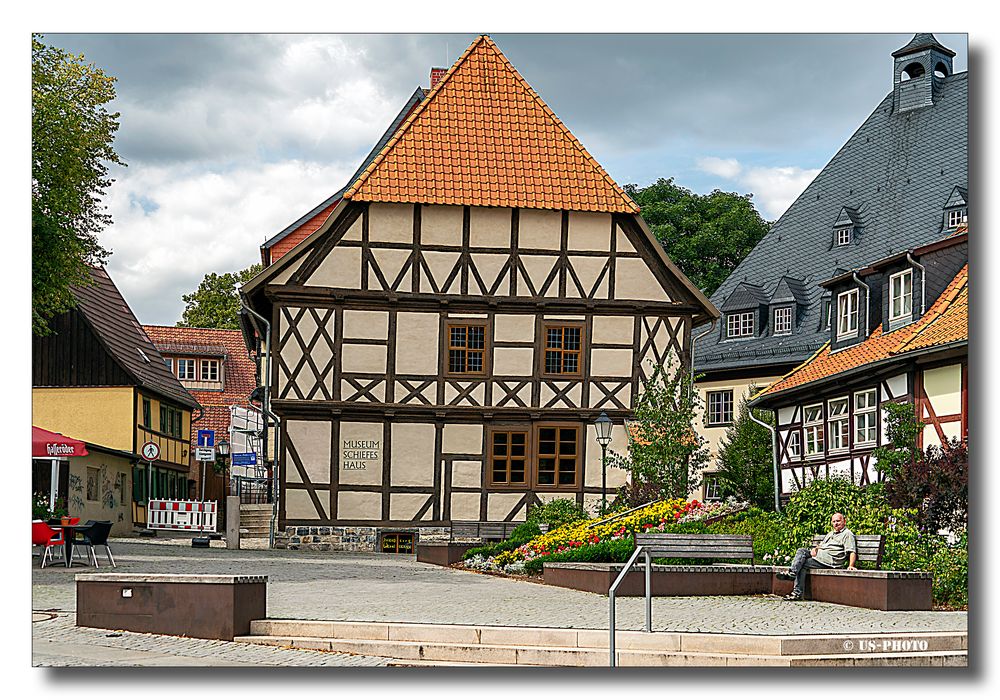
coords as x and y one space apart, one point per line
44 536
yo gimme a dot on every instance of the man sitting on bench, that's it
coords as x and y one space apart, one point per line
839 547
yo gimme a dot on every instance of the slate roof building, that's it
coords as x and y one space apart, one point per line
899 182
444 341
100 379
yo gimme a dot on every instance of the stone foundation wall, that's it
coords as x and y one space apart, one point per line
332 538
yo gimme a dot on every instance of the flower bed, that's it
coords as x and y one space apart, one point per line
584 536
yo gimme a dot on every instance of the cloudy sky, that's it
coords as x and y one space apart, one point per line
229 138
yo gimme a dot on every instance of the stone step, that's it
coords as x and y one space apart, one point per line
770 645
431 653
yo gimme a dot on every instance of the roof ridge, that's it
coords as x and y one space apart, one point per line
405 127
483 41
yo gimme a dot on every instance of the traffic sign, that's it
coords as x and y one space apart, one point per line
244 459
204 454
150 452
206 438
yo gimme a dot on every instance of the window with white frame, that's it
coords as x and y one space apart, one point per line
185 368
957 217
838 424
901 296
865 417
783 320
813 429
720 407
826 313
712 487
847 314
209 370
169 362
794 444
843 236
739 325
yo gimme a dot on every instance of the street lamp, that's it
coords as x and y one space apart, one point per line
223 448
603 425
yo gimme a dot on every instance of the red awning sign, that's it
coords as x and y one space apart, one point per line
45 443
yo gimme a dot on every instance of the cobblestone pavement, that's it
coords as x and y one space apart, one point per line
57 641
384 587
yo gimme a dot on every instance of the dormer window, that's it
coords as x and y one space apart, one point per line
847 314
957 217
843 236
826 314
740 325
783 320
185 369
900 297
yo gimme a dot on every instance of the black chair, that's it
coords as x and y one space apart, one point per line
96 535
78 553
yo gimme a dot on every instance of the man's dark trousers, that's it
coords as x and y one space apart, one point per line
803 560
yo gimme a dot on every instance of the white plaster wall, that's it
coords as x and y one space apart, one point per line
489 227
372 474
441 225
390 223
512 361
363 358
514 327
404 506
611 363
499 504
311 440
613 329
412 454
367 325
465 506
589 231
634 280
359 506
592 463
466 473
417 343
459 438
943 387
340 269
539 228
298 505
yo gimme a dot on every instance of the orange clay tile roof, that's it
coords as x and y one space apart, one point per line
946 322
483 137
239 371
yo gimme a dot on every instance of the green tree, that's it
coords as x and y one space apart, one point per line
707 236
216 303
902 429
71 150
745 463
665 453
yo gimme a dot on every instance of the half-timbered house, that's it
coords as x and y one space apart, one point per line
443 343
899 333
898 182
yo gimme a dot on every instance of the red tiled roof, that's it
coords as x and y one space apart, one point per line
945 323
484 137
239 369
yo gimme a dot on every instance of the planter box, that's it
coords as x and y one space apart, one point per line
664 580
208 607
443 553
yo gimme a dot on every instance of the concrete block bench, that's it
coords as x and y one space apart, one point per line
188 605
443 553
865 588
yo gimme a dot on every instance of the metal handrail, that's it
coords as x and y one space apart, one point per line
611 601
609 518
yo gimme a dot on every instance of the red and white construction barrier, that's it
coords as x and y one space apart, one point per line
196 516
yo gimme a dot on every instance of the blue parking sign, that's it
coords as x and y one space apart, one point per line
206 438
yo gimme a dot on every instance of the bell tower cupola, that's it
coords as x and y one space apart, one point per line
917 71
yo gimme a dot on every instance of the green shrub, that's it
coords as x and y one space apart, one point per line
493 548
951 574
525 531
556 512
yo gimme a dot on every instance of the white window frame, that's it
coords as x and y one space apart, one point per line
828 313
813 433
740 325
183 363
207 364
712 487
843 235
794 447
784 313
905 298
839 423
957 217
847 317
865 417
725 402
169 361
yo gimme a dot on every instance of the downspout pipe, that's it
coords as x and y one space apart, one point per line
266 406
868 300
774 457
923 281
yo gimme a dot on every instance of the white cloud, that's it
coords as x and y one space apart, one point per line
728 168
172 226
774 189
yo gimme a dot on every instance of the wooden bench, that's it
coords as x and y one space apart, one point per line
865 588
482 530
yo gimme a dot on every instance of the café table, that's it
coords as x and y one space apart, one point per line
69 532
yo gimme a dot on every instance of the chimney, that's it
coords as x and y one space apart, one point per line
436 75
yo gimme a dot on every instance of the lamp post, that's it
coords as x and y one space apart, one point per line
603 425
222 447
